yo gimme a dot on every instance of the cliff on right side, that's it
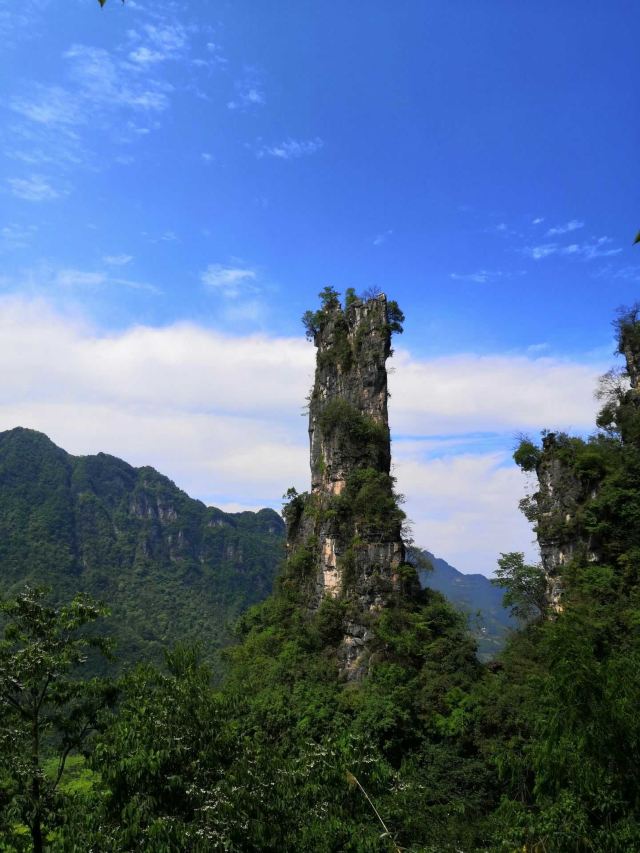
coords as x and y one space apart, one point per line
586 510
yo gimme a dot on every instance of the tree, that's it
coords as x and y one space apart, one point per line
525 585
45 710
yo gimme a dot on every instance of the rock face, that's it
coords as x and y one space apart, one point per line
344 536
570 476
561 494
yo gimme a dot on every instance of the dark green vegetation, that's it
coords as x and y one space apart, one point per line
170 568
537 751
45 711
489 620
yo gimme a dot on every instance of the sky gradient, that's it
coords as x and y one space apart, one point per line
180 179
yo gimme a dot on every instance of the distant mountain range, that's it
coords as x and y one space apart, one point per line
474 594
169 567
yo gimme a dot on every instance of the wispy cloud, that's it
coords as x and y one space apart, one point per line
119 94
48 105
105 82
23 21
230 281
595 247
92 279
291 149
215 54
381 238
502 229
626 273
249 92
572 225
165 237
66 282
157 43
537 220
485 276
34 188
15 236
117 260
544 250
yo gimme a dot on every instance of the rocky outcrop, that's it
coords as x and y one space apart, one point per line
344 535
570 470
562 493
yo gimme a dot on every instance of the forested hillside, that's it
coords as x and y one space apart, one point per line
474 594
170 568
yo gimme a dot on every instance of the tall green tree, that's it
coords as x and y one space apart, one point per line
46 710
525 586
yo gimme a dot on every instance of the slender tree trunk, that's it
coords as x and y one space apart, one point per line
36 832
36 794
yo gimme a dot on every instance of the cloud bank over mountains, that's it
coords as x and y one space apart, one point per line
224 416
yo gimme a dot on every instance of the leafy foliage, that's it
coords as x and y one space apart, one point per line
525 586
44 708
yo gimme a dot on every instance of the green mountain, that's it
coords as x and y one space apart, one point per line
489 622
169 567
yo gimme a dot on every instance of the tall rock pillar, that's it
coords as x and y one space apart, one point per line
344 536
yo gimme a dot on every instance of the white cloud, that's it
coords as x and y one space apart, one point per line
221 415
230 281
631 272
249 93
55 122
105 84
471 393
291 149
224 416
595 248
537 220
589 250
13 236
48 105
381 238
157 43
45 278
117 260
74 278
572 225
465 507
542 251
34 188
483 276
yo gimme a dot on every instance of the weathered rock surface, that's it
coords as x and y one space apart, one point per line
348 527
568 481
561 537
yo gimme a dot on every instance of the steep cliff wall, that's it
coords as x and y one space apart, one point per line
344 536
563 492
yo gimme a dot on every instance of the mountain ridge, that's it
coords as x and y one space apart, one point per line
474 594
169 567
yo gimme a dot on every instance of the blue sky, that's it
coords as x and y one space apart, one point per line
180 179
